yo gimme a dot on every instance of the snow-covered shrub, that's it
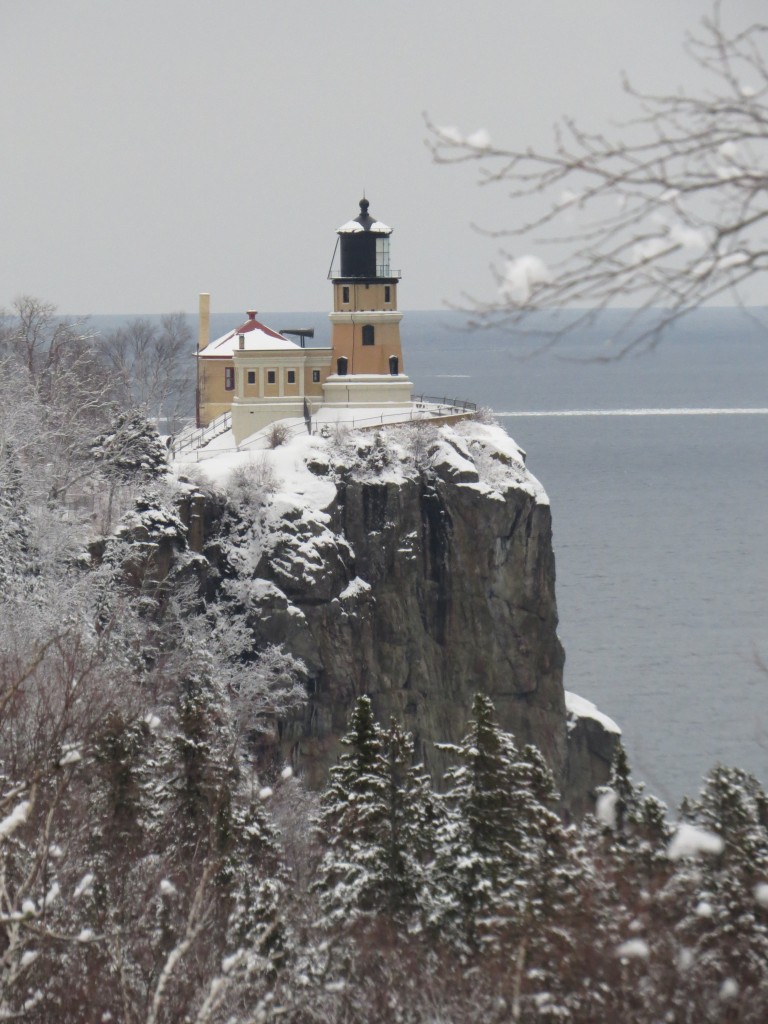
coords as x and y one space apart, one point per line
420 439
250 484
484 414
277 434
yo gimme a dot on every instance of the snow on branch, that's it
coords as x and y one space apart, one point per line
670 214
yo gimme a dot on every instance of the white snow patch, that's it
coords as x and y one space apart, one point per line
167 888
265 793
633 949
703 909
605 808
521 276
86 935
580 707
152 722
729 150
354 589
71 757
84 885
28 957
450 133
231 961
568 197
479 139
729 989
688 238
17 817
761 894
685 959
649 248
52 895
690 841
352 227
286 773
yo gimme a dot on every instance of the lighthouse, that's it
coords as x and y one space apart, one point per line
367 362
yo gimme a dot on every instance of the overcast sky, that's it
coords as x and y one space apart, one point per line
154 149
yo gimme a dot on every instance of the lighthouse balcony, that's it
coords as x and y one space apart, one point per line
382 273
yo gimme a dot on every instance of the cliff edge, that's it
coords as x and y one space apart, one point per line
415 565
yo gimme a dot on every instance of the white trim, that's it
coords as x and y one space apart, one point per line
366 316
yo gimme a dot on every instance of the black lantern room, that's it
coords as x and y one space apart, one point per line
364 249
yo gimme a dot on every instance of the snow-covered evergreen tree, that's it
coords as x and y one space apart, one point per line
15 550
496 833
130 449
375 821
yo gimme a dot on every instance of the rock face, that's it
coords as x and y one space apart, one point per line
417 568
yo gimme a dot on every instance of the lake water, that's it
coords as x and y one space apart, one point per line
660 518
660 524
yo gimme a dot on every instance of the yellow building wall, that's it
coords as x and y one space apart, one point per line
315 388
214 397
347 341
364 296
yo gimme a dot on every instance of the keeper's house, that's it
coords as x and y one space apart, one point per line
261 375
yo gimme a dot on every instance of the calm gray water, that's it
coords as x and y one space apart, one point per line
660 527
660 521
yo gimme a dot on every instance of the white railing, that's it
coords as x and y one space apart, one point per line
422 409
200 438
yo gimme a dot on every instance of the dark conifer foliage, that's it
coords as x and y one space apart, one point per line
130 449
152 870
373 820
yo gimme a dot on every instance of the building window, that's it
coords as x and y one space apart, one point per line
368 334
387 293
229 378
315 376
291 376
345 294
251 376
382 257
271 376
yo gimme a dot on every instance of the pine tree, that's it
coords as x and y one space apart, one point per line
499 825
721 923
374 820
15 551
130 449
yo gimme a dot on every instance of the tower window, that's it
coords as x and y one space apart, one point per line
229 378
291 376
315 376
251 376
368 334
271 376
387 293
344 293
382 257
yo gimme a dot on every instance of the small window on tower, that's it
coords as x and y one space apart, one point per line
271 376
315 376
251 376
382 257
291 376
229 378
368 334
345 293
387 293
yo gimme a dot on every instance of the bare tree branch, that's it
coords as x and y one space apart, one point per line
670 215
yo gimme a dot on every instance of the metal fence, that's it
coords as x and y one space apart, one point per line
200 438
423 409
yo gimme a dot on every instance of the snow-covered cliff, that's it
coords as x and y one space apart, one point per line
415 565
